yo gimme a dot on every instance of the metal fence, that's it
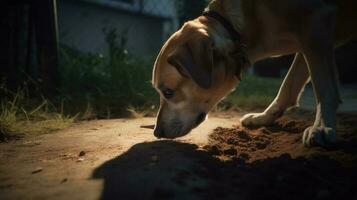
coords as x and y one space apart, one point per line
182 10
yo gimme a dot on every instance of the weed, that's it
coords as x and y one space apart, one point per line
110 83
21 117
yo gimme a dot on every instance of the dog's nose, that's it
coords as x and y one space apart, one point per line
158 132
201 117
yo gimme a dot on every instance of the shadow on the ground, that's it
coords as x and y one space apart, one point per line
168 169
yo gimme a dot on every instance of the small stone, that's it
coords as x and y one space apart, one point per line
64 180
37 170
82 153
80 160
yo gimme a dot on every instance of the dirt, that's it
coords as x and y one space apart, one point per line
121 159
271 162
252 145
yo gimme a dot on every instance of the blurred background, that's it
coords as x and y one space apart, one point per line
69 60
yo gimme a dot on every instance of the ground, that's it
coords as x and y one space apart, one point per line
118 159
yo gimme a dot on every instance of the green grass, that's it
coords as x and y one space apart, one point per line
253 92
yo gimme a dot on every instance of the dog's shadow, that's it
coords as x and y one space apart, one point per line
169 169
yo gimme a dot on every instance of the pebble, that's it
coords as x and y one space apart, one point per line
37 170
82 153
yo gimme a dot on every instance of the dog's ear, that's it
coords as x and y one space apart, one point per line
194 59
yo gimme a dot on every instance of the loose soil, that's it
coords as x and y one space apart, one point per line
116 159
271 163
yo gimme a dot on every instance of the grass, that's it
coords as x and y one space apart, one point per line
19 117
252 93
92 86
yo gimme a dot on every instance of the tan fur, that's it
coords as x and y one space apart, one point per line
199 63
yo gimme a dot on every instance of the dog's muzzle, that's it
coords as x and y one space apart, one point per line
177 128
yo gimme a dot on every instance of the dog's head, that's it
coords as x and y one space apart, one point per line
195 69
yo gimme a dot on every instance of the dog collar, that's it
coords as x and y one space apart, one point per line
233 33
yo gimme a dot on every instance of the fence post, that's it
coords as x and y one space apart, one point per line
46 32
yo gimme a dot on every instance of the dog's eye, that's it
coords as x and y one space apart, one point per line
168 93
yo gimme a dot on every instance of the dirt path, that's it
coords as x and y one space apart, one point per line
116 159
66 174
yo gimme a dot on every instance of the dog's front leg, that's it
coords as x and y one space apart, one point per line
323 131
318 49
287 97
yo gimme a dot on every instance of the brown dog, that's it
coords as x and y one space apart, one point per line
201 63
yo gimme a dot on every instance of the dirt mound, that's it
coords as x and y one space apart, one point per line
254 144
271 162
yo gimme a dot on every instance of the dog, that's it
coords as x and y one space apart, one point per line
202 62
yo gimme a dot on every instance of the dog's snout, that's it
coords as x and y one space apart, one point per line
201 117
158 132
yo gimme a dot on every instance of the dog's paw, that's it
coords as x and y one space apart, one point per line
257 119
319 136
